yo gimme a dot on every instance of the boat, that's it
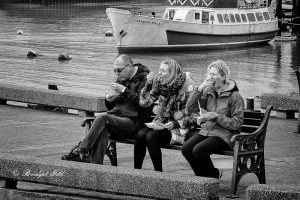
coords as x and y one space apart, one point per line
199 25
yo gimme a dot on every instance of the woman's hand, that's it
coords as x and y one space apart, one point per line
169 125
150 78
205 84
118 87
209 116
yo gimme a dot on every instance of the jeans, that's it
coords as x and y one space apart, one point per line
197 150
152 139
105 125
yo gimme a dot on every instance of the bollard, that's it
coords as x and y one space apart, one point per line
52 87
250 103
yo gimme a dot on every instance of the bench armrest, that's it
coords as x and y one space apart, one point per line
88 120
256 139
243 136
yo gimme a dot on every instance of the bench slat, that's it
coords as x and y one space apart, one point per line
251 121
249 128
253 114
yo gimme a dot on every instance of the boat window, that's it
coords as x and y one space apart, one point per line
232 19
166 16
266 16
244 18
180 15
205 17
259 16
238 17
197 16
251 17
220 18
226 18
171 14
212 18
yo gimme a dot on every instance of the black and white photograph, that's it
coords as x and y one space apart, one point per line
149 99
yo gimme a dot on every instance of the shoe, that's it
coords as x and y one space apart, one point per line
220 174
75 155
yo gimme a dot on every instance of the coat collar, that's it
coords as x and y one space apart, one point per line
231 87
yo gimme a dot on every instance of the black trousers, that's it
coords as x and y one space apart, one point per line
197 150
153 140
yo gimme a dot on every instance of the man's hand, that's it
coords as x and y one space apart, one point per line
111 97
118 87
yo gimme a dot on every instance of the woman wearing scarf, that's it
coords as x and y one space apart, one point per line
222 116
170 89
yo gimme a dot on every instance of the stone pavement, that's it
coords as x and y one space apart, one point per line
51 134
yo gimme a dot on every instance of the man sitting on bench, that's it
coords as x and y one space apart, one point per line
124 116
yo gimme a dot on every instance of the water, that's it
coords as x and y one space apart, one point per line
79 29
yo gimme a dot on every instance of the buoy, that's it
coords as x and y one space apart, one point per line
109 33
64 56
20 32
32 54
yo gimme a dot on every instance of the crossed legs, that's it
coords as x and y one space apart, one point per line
105 125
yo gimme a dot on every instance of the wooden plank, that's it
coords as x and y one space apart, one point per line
251 121
253 114
249 128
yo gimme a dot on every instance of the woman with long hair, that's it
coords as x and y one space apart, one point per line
171 89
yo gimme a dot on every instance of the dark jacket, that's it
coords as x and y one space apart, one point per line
127 104
230 107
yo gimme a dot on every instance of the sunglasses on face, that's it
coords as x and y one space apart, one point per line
119 70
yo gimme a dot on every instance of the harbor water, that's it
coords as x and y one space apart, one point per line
79 29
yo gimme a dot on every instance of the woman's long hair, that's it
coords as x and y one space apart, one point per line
175 71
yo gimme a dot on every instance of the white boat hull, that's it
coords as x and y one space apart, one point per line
143 33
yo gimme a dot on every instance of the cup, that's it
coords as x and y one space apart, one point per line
111 95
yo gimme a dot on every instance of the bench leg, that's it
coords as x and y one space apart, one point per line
235 178
261 172
111 152
10 184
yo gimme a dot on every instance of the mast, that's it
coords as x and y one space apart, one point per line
296 18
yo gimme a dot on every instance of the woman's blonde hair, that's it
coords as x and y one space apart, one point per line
174 70
221 67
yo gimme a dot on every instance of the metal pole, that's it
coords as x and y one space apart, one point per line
279 15
296 18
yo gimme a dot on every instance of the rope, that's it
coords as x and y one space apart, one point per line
121 36
84 45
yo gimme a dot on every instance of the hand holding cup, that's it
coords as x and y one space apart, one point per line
111 95
118 88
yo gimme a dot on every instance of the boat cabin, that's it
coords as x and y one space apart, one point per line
216 16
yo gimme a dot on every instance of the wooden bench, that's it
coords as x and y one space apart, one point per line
248 151
85 104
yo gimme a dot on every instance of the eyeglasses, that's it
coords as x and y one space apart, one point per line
119 70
